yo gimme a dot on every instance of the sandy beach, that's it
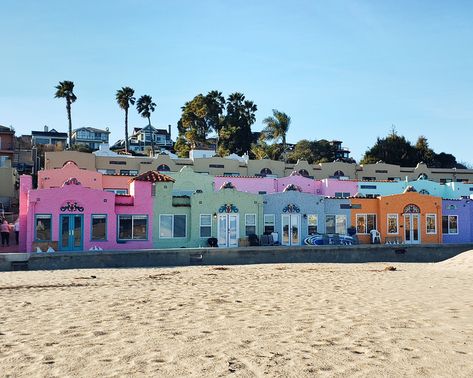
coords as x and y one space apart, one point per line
243 321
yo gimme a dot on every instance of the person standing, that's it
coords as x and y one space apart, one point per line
5 231
16 227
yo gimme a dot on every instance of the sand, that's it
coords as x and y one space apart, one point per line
240 321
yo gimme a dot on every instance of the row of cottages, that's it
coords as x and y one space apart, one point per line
74 209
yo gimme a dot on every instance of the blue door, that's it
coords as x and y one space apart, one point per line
71 232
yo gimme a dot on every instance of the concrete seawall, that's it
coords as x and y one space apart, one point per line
232 256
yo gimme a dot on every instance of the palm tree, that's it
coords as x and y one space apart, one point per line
65 90
125 98
145 107
276 127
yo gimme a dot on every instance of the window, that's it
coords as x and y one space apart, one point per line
365 223
338 174
117 162
129 172
335 224
172 226
132 227
312 221
450 224
117 191
381 171
268 223
250 224
342 194
205 225
216 166
424 191
431 223
393 224
107 171
303 172
266 171
43 227
99 227
368 178
367 186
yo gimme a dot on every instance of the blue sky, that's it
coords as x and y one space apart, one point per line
345 70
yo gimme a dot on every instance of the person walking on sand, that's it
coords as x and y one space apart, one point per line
5 231
16 227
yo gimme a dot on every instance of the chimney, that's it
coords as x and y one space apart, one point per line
169 131
46 129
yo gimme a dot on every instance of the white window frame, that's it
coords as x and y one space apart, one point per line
316 222
205 225
251 225
435 224
397 224
448 223
337 217
172 227
272 223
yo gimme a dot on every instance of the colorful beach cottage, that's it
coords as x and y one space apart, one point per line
190 219
74 217
407 218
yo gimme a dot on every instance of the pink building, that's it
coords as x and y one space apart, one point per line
54 178
267 185
75 217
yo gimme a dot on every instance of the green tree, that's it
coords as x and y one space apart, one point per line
200 116
394 149
277 127
303 150
424 152
65 89
145 106
124 99
235 133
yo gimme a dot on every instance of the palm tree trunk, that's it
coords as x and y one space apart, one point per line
126 130
68 107
151 134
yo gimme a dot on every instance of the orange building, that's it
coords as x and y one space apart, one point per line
409 218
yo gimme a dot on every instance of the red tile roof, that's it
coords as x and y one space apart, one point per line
153 176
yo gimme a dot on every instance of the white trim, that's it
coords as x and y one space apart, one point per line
448 224
251 225
316 222
435 223
200 225
387 224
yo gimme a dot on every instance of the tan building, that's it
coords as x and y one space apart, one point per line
8 185
237 166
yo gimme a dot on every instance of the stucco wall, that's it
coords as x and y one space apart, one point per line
464 210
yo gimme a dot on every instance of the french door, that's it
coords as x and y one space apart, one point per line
71 232
228 230
291 229
411 228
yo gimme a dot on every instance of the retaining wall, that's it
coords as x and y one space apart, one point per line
233 256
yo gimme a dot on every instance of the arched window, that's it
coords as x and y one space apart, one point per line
422 176
303 172
266 171
163 168
338 174
411 209
423 191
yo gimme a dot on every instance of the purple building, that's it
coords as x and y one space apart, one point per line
457 221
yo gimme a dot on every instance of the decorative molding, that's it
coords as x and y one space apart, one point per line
291 208
228 208
411 209
71 207
71 181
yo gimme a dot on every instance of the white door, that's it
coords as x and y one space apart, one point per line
291 229
228 230
411 228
